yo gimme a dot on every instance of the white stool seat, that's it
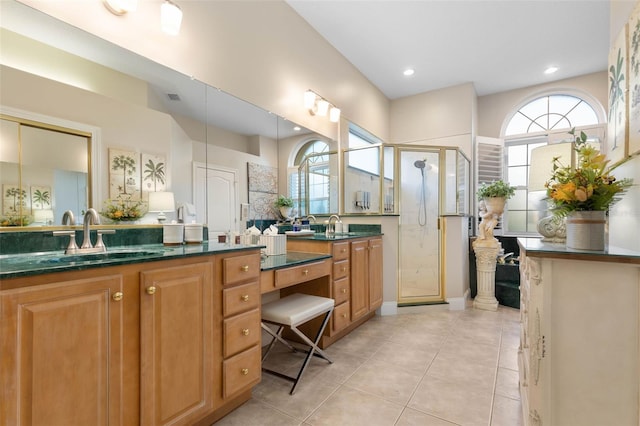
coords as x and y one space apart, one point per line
296 309
292 311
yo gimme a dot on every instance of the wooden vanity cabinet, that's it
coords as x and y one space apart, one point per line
61 352
356 282
168 342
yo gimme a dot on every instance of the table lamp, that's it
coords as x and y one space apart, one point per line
161 202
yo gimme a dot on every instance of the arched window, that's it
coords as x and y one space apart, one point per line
312 160
544 120
551 113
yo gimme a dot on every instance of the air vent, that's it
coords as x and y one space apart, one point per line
173 96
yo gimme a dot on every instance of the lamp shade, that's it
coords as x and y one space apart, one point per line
541 166
170 17
161 202
323 107
309 99
334 114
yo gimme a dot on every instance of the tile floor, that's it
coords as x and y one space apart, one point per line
426 366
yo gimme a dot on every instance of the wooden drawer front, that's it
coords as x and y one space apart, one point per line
340 251
241 298
240 268
341 290
241 332
341 316
299 274
241 371
340 269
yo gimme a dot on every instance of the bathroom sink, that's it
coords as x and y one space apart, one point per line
93 257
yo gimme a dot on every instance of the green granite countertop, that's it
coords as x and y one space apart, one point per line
321 236
291 258
535 247
25 264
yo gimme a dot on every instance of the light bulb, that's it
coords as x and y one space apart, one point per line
323 107
334 114
309 99
170 17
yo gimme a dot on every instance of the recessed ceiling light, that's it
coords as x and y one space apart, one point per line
408 72
297 128
551 70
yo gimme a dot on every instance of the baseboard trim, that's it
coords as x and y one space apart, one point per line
389 308
459 303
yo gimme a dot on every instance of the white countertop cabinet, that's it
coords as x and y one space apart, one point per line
580 335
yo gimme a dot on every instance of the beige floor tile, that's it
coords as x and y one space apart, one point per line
360 344
457 368
256 413
309 395
452 402
507 383
411 417
343 366
352 407
406 355
508 358
506 412
481 353
386 380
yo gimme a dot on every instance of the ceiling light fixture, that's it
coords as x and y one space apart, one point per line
408 72
551 70
170 17
317 105
120 7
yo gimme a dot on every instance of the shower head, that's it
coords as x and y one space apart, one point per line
420 164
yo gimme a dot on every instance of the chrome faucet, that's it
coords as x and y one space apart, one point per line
90 217
331 230
68 217
310 216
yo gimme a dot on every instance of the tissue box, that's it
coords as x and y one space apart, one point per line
276 244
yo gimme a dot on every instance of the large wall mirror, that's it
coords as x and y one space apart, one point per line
149 110
44 170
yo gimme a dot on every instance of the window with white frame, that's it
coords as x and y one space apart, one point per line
544 120
314 156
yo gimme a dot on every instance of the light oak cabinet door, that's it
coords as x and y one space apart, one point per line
61 353
176 348
359 279
375 273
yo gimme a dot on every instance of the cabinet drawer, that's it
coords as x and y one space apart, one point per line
302 273
341 290
341 316
241 371
240 268
241 298
340 269
241 332
340 251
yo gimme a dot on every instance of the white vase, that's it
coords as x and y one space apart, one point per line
286 212
585 230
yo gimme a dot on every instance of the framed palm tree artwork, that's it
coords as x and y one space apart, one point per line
154 173
124 174
40 197
634 81
618 80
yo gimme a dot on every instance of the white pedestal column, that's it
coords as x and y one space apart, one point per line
486 255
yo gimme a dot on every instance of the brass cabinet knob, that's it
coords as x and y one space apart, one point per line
151 290
245 331
344 268
344 250
117 296
344 290
344 315
244 371
305 272
245 297
245 268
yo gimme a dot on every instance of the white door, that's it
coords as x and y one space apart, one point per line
215 198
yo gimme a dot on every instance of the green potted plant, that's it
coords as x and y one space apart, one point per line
493 197
496 189
284 205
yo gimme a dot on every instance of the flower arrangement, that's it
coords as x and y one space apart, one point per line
123 208
587 187
15 220
496 189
